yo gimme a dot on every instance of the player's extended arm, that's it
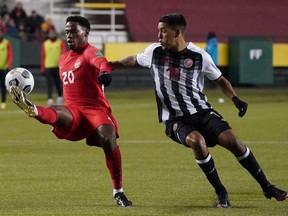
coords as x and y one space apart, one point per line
104 77
126 62
228 90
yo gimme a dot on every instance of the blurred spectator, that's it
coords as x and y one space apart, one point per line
5 19
3 10
33 26
12 30
51 50
21 32
46 26
6 62
18 14
212 46
2 26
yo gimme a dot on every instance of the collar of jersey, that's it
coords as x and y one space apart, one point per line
81 48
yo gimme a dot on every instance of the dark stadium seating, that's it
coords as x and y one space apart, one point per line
225 17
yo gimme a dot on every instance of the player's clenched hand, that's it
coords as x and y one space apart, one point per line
241 106
104 78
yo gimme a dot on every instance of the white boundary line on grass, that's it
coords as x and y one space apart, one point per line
139 141
168 141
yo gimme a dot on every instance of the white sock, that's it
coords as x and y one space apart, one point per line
117 191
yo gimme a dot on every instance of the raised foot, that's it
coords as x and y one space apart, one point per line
19 98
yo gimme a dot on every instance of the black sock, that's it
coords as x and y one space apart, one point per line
208 167
249 162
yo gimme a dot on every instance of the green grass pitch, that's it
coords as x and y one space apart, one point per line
41 175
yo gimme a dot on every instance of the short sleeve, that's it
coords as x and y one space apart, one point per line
144 58
210 70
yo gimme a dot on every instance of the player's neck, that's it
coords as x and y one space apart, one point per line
180 45
81 48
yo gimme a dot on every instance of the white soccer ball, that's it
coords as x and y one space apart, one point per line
20 77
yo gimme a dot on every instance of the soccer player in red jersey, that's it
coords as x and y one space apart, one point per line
86 112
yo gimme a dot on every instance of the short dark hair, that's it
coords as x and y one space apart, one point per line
211 35
174 20
81 20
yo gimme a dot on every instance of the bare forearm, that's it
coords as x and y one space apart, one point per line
126 62
226 87
228 90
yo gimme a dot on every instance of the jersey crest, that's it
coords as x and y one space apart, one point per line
188 63
77 64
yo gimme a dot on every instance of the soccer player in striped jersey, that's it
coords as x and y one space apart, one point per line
86 113
178 69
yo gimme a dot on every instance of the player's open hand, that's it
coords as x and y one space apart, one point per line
104 78
241 106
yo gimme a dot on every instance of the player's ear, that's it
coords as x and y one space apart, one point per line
177 32
87 31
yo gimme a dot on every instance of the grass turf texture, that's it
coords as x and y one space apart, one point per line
41 175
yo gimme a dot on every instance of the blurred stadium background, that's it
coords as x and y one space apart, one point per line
125 27
41 175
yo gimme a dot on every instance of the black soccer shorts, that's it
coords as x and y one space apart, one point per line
207 122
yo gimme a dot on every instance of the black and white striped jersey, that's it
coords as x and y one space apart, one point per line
179 79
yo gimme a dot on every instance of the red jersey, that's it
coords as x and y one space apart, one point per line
79 70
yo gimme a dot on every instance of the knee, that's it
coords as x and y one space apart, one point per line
108 143
64 117
232 143
92 142
99 140
103 137
106 140
230 140
196 141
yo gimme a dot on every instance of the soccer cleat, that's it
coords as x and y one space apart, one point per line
278 194
19 98
223 200
122 200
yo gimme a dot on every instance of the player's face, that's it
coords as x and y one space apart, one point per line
167 36
75 35
52 34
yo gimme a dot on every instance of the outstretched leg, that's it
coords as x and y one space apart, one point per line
249 162
245 157
55 116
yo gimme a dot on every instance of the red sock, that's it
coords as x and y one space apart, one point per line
114 164
46 115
